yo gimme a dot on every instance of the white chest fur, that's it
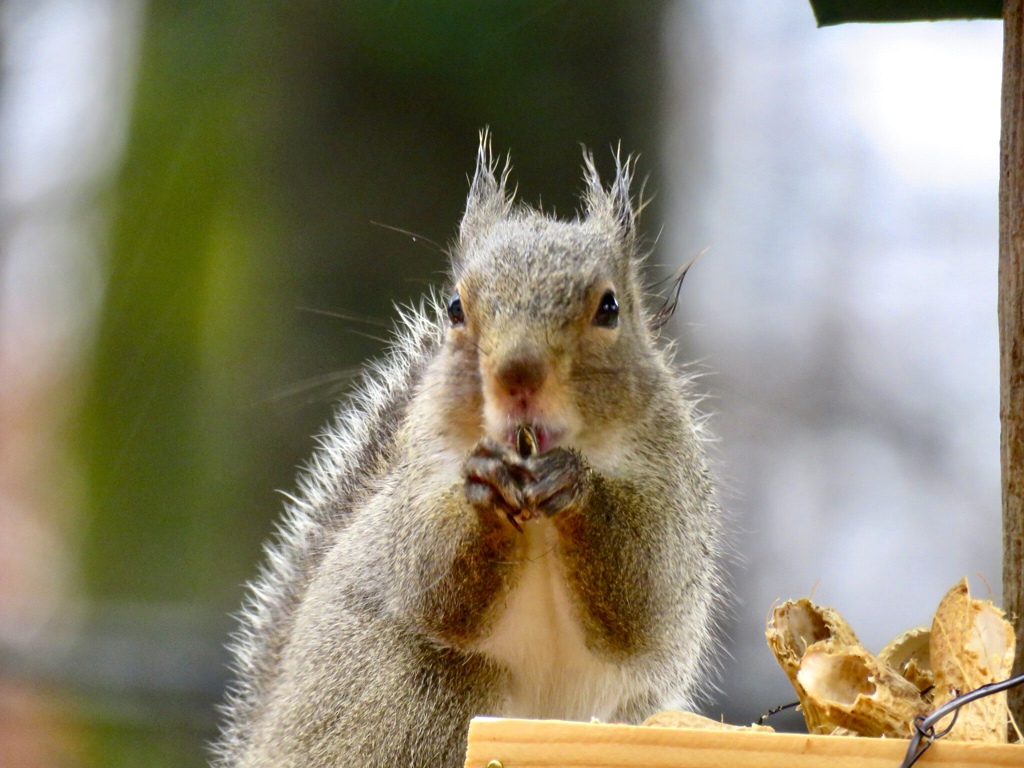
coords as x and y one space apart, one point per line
540 640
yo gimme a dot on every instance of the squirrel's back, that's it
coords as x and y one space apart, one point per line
355 447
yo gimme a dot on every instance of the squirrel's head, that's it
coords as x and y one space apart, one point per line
547 326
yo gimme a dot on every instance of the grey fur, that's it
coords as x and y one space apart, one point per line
369 637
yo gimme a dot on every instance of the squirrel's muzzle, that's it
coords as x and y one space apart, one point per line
522 377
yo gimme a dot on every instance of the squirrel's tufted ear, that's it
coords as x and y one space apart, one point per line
488 200
615 202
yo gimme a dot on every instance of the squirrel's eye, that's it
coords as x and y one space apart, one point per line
455 313
607 311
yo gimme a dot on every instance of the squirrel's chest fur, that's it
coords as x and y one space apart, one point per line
538 637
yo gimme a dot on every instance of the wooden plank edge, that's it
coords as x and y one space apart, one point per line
554 743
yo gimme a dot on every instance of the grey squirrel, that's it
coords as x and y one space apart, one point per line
512 517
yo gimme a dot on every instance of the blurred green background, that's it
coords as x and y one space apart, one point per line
244 278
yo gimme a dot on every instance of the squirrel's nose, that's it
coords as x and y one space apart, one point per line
522 376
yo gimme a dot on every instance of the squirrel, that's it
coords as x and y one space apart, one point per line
513 516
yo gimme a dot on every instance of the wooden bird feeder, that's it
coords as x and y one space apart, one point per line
495 743
554 744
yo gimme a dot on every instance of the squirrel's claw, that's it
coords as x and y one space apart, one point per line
559 481
495 477
498 478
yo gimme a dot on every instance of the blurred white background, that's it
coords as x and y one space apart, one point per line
846 188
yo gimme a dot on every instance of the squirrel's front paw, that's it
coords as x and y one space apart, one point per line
495 477
557 480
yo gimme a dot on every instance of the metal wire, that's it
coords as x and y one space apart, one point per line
924 727
776 710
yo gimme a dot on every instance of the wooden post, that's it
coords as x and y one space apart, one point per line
1011 330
